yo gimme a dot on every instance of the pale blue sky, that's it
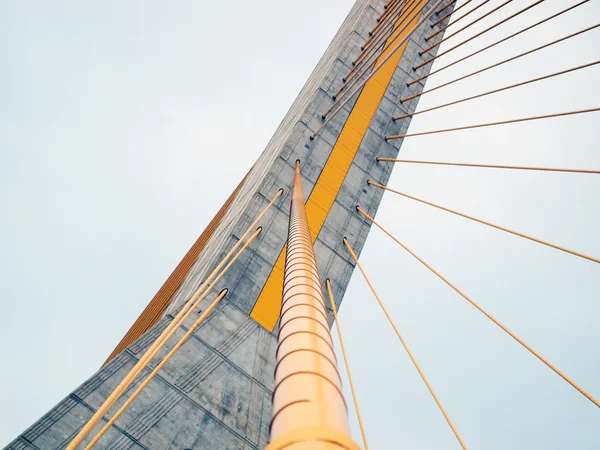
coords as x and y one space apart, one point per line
125 125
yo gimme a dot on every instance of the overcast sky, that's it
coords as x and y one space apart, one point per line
125 125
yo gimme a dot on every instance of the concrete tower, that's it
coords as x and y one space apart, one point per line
216 392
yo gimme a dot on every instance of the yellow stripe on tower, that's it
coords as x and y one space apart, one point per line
268 306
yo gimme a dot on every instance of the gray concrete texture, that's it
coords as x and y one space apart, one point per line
216 391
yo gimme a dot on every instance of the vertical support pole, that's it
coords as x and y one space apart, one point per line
309 410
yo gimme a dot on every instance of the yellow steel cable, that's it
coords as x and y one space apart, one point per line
365 65
362 68
481 33
416 80
450 3
159 366
339 330
384 19
458 19
483 311
200 298
196 298
382 23
512 58
386 41
386 12
431 47
498 227
376 69
502 89
454 11
412 358
490 166
216 280
375 45
376 39
501 122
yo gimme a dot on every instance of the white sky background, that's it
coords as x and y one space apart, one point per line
125 126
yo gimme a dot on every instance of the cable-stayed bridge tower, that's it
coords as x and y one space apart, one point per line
251 297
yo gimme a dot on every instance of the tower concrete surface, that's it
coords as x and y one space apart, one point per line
216 391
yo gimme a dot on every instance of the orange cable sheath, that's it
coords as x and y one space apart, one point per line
309 409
